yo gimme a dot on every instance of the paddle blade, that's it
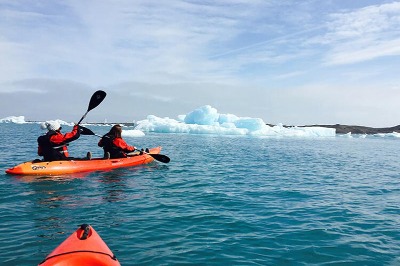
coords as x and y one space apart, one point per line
160 157
86 131
96 99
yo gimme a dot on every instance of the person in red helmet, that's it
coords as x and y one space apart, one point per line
113 144
53 145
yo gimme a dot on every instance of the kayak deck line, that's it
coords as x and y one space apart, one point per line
113 257
82 165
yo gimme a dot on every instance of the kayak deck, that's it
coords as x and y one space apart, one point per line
83 247
76 166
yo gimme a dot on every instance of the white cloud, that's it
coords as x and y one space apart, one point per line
348 53
364 34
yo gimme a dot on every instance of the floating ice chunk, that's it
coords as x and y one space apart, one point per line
13 119
132 133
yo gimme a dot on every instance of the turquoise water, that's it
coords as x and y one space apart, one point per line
220 201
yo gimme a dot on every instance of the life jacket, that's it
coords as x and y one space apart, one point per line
49 150
109 146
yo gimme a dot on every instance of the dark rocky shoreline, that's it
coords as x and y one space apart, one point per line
344 129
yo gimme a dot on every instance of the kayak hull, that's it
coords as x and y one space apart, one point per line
81 165
83 247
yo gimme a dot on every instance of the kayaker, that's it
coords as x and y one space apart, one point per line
113 144
53 145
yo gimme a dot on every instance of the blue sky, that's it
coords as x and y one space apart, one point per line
291 62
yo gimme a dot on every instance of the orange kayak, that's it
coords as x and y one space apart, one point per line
82 165
83 247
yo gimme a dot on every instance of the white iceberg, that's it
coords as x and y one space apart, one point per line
13 119
207 120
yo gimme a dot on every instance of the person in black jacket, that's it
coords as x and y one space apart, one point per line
113 143
53 145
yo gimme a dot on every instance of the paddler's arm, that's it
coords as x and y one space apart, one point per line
123 145
60 139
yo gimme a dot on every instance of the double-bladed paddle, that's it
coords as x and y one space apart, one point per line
159 157
95 100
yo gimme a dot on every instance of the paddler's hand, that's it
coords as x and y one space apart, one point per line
76 128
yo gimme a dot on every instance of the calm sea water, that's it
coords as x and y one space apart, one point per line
220 201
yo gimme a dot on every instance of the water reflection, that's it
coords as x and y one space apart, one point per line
50 203
114 185
58 178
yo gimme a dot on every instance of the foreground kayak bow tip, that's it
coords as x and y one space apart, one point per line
83 247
